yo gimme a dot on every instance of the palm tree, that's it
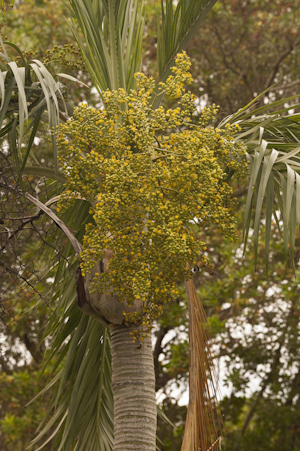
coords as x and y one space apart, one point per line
90 410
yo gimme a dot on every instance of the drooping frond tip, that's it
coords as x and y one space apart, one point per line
204 422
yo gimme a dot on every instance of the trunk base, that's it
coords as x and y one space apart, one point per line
133 383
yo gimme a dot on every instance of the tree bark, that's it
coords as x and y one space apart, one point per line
133 383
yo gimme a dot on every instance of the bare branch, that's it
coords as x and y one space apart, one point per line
279 60
287 86
28 220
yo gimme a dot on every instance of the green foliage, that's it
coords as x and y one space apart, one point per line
35 25
109 35
243 48
257 344
272 141
16 390
179 24
80 352
27 91
170 437
148 174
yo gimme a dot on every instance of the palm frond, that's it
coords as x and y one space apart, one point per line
28 91
81 414
204 422
84 402
45 172
178 25
109 34
75 243
273 151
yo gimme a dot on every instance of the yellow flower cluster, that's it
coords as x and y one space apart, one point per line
147 174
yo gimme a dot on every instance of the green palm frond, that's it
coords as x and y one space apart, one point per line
28 91
178 25
273 151
83 406
109 34
81 413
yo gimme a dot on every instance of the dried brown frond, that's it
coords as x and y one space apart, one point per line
204 422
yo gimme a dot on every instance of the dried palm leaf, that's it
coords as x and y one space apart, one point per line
204 422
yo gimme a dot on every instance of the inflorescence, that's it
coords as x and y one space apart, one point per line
147 174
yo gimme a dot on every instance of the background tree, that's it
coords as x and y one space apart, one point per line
24 320
241 50
249 316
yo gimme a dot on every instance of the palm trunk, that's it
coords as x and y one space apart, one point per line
133 383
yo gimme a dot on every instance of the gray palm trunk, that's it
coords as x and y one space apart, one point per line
133 377
133 383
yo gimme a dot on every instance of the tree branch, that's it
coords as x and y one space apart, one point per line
33 348
4 365
270 376
287 86
279 60
21 227
160 380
